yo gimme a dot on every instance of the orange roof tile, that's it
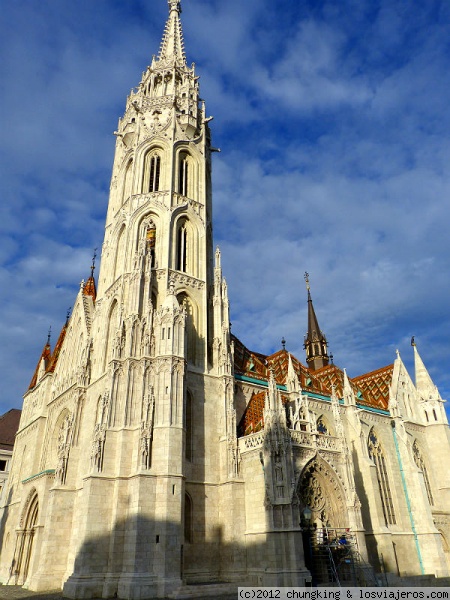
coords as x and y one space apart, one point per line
371 389
46 355
89 288
57 350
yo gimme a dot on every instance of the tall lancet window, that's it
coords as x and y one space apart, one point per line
183 175
420 463
181 258
127 182
377 455
152 173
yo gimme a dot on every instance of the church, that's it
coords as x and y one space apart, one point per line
156 451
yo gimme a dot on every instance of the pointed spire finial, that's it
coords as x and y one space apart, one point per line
413 343
49 335
283 343
315 341
93 262
175 5
172 45
307 280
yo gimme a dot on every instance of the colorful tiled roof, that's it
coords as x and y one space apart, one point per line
374 387
57 350
371 389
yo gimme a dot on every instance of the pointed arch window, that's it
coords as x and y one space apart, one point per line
183 175
188 522
420 464
152 173
377 455
322 427
181 257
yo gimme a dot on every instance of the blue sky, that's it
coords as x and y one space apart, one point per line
333 121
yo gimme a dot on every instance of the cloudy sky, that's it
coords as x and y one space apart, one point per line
333 121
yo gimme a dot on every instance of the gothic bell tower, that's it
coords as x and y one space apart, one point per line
158 226
160 338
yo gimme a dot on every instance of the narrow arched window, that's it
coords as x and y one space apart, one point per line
377 455
181 258
155 170
420 463
152 173
183 175
188 519
322 426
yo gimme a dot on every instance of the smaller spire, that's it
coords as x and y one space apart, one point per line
315 341
43 362
424 383
89 288
172 45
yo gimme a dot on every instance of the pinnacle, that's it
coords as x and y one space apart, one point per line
172 45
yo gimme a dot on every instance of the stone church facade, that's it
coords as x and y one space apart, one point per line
155 450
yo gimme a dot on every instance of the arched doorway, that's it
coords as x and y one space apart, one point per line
25 538
324 521
321 492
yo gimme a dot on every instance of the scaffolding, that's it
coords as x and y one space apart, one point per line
333 558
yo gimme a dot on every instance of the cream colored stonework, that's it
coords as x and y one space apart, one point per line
128 477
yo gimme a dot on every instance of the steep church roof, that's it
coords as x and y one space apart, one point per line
42 364
370 389
57 350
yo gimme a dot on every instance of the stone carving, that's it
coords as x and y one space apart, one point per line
98 441
64 443
146 433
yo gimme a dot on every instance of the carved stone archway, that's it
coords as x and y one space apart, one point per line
321 492
25 538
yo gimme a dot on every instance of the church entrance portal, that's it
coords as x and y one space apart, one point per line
326 536
25 540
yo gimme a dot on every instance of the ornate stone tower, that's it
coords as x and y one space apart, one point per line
128 432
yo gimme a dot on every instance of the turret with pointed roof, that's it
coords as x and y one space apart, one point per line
315 341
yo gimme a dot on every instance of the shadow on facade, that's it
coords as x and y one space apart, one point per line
372 547
160 560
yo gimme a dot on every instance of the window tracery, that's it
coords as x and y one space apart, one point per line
181 258
377 455
322 427
420 463
183 174
152 172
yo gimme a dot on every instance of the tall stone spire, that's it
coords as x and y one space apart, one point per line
172 45
424 383
315 341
